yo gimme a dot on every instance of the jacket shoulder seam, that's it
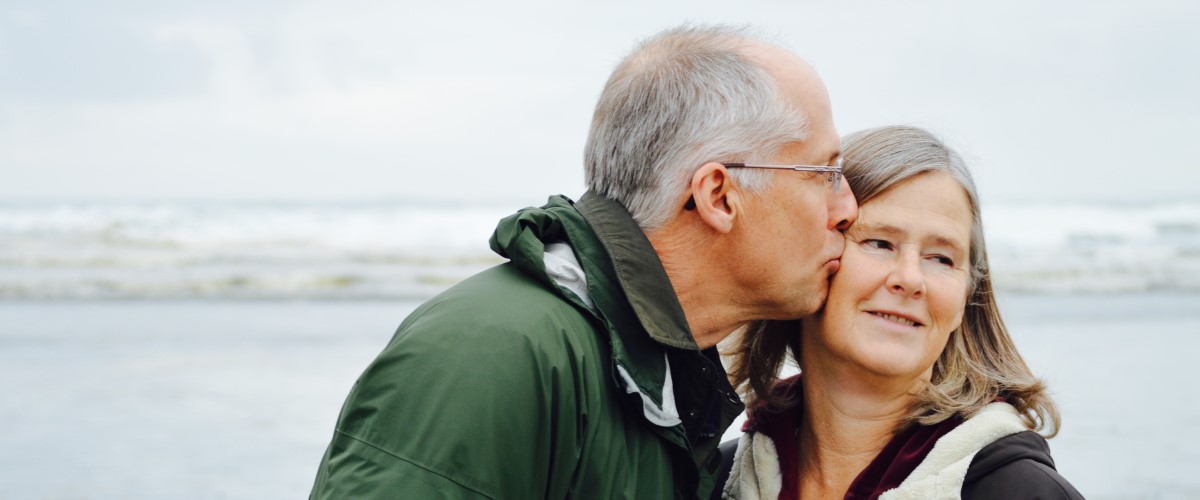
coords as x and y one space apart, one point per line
413 462
1054 480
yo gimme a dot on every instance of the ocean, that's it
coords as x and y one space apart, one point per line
171 350
354 251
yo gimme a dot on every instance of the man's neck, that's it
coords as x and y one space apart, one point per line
707 299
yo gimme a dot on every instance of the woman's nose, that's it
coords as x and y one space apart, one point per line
906 277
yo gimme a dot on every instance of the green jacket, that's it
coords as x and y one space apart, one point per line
510 385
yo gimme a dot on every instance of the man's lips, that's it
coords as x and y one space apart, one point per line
834 264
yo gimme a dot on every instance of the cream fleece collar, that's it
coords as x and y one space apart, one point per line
756 474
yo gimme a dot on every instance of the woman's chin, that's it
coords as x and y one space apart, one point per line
891 363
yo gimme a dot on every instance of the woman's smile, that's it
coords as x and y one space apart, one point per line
898 318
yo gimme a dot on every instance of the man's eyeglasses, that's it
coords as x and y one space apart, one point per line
835 171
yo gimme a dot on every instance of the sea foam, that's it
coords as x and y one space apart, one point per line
402 250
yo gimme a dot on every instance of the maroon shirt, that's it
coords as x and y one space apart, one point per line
893 464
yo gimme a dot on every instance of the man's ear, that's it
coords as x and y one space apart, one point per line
717 201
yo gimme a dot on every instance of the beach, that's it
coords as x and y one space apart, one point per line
213 399
214 215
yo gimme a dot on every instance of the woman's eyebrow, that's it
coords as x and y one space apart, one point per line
944 241
896 231
887 229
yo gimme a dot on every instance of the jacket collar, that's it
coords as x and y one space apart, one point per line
639 271
632 297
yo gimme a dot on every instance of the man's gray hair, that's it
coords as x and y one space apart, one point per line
682 98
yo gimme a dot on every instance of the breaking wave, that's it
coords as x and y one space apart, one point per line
396 250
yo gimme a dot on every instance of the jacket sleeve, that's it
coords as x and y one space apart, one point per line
460 405
356 469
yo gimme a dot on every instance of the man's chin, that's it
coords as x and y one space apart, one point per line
814 302
823 295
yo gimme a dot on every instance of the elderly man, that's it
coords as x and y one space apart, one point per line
585 367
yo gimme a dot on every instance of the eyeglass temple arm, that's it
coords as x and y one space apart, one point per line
801 168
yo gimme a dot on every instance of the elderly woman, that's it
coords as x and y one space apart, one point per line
910 386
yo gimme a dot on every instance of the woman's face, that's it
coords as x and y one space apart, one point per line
903 283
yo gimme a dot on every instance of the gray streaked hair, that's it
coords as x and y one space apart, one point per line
879 158
980 362
682 98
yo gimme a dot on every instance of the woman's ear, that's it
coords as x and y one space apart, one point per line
714 197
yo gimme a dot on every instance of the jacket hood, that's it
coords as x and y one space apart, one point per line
630 296
640 363
523 236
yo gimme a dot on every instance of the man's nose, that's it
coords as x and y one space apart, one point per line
843 209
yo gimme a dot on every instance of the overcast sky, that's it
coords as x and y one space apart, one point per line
1078 100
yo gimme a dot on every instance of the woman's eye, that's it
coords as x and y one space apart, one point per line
943 260
877 244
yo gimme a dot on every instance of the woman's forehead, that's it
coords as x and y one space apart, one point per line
930 207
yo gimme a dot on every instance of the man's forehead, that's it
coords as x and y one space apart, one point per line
801 87
788 69
814 150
